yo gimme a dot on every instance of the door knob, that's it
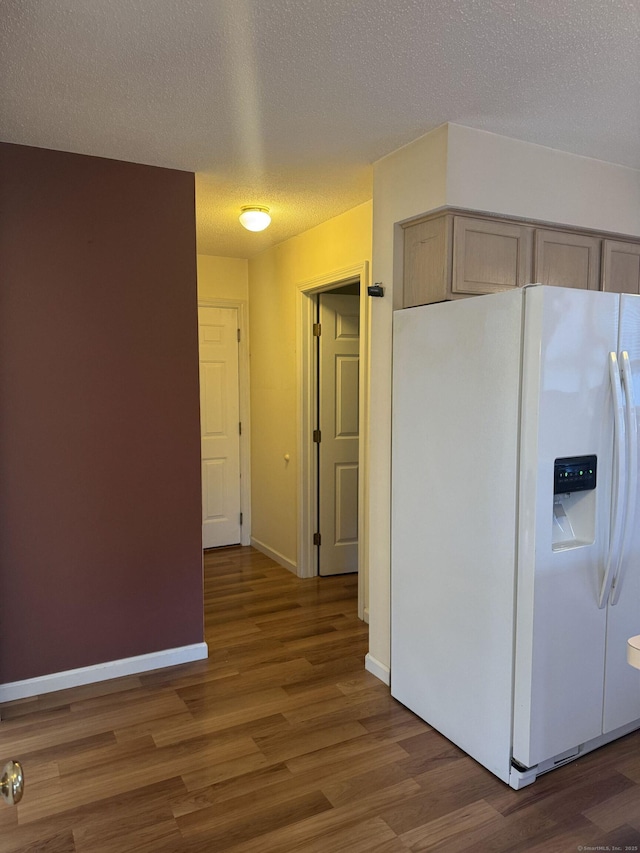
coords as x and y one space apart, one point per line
12 783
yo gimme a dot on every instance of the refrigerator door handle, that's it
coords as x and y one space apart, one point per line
620 479
631 429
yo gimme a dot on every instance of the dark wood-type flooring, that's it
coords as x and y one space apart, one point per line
281 742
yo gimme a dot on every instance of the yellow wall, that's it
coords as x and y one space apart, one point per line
340 242
223 278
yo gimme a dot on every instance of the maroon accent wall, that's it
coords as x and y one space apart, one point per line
100 516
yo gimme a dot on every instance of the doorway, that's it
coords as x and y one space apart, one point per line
307 291
337 334
219 426
224 422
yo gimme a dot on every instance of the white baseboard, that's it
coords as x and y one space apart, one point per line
275 555
101 672
378 669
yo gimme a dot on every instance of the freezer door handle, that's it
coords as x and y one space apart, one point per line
631 431
620 480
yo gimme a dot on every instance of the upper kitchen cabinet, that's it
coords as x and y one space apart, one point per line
567 259
450 256
621 267
489 256
427 261
447 256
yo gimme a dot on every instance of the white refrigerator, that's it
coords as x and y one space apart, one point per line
515 567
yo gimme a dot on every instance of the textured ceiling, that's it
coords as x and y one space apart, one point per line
287 103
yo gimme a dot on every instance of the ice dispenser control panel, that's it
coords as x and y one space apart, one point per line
574 474
574 502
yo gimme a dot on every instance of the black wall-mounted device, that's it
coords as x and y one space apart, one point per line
375 290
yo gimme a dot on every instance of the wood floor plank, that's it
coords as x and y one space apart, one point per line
223 830
340 708
95 721
115 814
281 742
201 777
62 842
350 785
128 771
250 775
299 740
504 833
268 676
443 790
616 811
342 819
443 830
345 759
368 836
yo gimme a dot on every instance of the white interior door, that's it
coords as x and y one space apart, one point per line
338 421
220 426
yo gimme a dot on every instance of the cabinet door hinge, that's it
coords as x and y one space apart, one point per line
240 428
317 539
240 519
317 330
238 331
317 436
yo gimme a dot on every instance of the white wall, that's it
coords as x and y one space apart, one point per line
405 184
500 175
462 167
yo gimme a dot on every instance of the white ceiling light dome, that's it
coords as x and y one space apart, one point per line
254 217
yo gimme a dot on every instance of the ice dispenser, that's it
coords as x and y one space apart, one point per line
574 502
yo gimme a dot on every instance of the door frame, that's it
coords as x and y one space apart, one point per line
306 383
245 411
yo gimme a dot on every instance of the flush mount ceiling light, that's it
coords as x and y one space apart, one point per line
255 218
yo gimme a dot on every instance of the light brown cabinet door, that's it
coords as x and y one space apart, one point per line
490 256
621 267
567 260
427 261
